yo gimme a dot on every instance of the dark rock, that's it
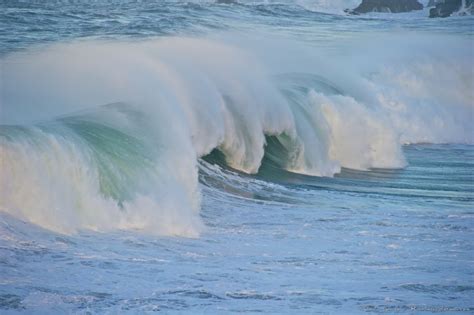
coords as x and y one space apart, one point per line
389 6
445 8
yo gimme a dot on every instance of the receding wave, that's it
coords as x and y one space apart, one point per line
69 162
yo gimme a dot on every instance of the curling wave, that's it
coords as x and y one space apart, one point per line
133 164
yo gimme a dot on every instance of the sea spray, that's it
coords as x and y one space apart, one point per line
70 162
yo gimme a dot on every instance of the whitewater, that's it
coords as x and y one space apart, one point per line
194 157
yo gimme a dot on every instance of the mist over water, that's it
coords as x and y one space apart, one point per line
303 163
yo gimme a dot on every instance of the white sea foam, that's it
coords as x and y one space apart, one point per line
201 94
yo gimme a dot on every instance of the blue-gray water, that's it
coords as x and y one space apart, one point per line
201 158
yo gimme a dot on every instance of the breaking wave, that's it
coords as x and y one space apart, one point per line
70 163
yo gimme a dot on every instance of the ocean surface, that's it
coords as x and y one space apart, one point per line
255 157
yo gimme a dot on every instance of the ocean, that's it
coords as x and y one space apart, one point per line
190 157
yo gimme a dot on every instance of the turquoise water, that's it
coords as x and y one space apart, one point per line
202 158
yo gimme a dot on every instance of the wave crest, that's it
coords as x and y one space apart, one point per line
134 165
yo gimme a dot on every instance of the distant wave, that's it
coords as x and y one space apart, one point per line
69 164
323 6
335 6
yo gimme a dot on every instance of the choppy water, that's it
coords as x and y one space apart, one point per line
192 157
319 245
